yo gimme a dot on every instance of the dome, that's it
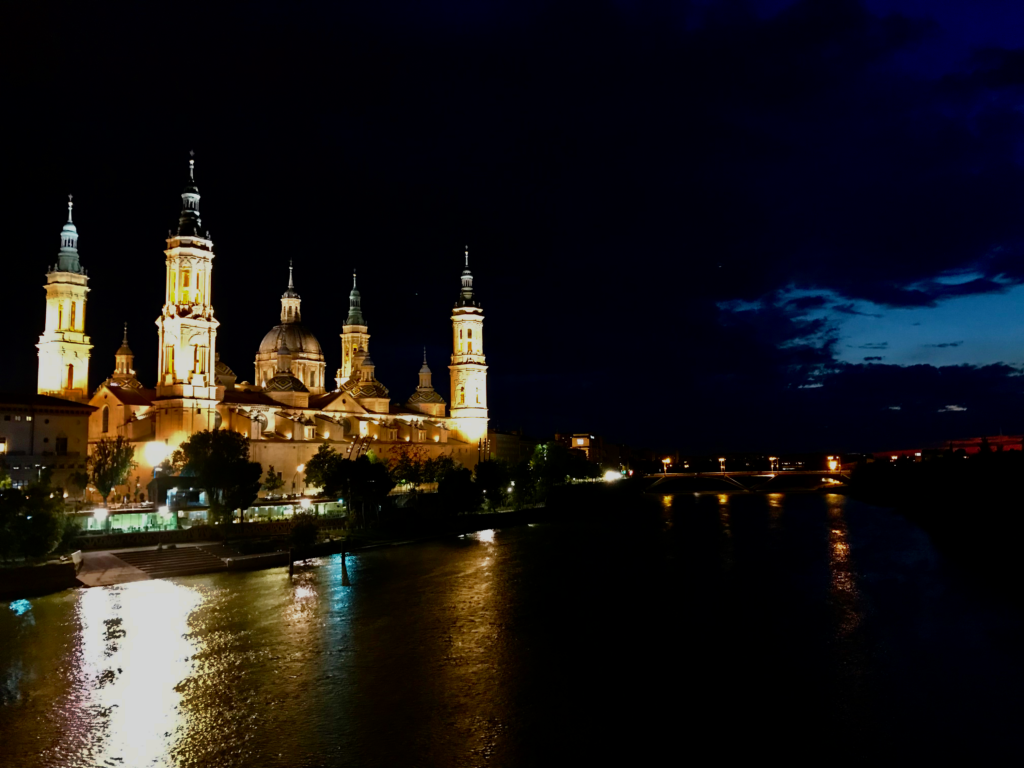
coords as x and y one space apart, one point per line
297 338
221 369
285 382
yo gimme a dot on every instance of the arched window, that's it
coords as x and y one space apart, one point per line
460 333
106 419
469 333
462 395
71 377
470 350
73 315
60 316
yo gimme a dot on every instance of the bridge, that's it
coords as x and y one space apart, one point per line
754 480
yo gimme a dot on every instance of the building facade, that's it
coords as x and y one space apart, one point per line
288 411
39 433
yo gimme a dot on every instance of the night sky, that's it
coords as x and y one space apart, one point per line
714 226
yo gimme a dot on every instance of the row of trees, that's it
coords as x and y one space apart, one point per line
32 523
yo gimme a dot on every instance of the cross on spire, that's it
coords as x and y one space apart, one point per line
70 206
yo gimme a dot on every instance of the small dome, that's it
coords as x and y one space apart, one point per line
296 336
221 369
285 382
367 362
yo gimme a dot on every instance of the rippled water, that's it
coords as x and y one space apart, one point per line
800 627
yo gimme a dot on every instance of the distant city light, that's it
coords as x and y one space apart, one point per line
611 475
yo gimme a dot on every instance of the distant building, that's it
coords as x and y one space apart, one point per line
511 447
39 432
593 447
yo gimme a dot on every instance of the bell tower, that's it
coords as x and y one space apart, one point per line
64 348
186 382
354 335
468 368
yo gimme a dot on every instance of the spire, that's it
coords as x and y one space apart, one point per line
124 374
125 349
291 292
425 368
189 223
291 302
67 257
466 298
355 310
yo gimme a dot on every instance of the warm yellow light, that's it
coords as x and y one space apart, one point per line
611 476
300 468
832 464
155 452
305 503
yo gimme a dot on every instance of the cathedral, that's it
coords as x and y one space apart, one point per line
291 408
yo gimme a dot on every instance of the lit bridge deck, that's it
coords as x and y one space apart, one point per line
752 480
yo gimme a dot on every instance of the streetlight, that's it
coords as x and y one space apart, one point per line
721 464
773 463
298 471
666 462
833 462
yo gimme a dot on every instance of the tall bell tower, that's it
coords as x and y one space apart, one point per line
468 368
186 383
63 346
355 335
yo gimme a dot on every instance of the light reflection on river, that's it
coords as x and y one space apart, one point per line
809 624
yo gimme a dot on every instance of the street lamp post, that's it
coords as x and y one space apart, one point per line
667 463
721 465
298 471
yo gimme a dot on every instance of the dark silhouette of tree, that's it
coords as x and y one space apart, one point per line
492 477
219 460
112 460
272 482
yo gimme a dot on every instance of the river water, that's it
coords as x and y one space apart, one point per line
796 628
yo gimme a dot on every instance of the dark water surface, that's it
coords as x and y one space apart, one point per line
803 629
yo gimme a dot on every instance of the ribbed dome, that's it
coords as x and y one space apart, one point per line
296 336
285 382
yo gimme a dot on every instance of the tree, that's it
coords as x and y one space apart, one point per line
31 520
325 471
219 460
78 481
458 493
272 482
408 464
112 460
493 479
436 469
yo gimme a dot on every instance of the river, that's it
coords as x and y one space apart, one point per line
796 628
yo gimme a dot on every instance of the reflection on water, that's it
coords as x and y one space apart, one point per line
533 645
134 649
843 577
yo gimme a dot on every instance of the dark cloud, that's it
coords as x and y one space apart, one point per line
849 309
866 359
945 344
875 345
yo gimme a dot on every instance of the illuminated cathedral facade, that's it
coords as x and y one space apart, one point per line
291 407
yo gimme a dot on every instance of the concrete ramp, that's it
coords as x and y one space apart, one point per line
101 569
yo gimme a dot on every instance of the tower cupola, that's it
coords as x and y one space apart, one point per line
67 258
355 308
291 302
466 297
189 223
